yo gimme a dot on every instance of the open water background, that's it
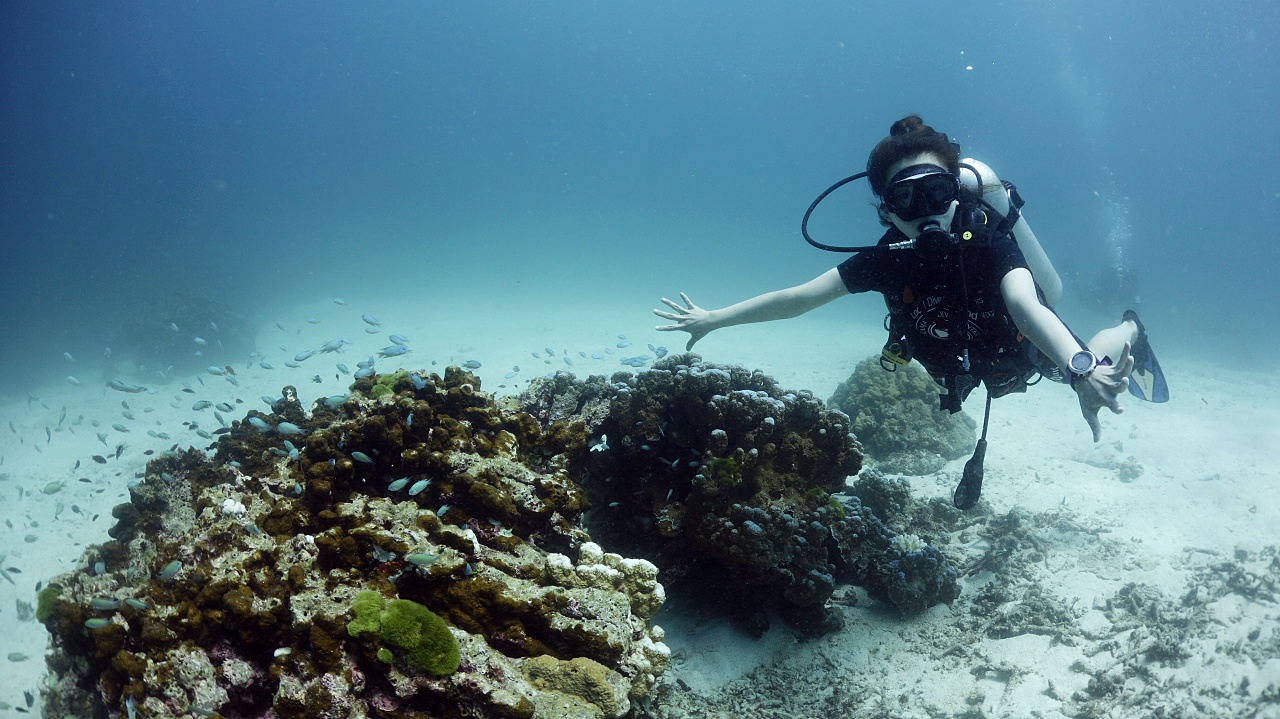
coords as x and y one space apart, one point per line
265 154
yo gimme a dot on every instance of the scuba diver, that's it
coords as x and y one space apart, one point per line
969 291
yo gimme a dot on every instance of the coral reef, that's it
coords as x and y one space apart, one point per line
896 417
412 558
726 482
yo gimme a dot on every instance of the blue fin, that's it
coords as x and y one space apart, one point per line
1147 381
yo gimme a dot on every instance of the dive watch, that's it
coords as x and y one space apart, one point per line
1082 365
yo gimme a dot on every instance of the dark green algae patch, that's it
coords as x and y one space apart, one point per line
713 474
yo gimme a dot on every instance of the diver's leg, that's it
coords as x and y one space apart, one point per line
1111 341
1147 379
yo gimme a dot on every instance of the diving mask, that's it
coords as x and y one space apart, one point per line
920 191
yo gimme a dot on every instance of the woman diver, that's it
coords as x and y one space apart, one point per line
969 291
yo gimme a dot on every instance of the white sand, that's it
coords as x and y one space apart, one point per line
1204 494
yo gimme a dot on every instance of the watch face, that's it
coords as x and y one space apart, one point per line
1082 362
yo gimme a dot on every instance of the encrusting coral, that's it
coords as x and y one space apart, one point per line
896 417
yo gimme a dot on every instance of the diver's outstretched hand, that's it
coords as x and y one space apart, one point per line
1102 388
690 318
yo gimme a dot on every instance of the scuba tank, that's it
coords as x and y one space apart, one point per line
977 175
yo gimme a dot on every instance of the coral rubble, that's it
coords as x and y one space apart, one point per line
896 417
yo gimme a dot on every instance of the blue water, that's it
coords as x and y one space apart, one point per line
258 153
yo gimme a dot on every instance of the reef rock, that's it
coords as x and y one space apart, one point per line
725 481
896 417
339 578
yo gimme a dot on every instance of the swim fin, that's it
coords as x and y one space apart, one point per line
1147 381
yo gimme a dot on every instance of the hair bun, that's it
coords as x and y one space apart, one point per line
910 123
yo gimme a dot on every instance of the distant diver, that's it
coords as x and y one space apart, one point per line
969 291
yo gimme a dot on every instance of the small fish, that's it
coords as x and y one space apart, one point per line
215 370
188 390
223 407
68 357
99 459
339 301
371 320
73 381
266 365
289 428
291 364
170 570
398 339
313 321
361 457
418 487
333 345
548 350
173 326
280 325
102 437
122 387
119 427
104 604
397 485
137 603
392 351
343 368
418 382
362 373
472 364
97 623
623 343
421 559
259 424
200 340
371 330
303 355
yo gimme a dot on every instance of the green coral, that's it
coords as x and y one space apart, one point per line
47 602
367 609
725 471
428 644
379 390
418 632
896 417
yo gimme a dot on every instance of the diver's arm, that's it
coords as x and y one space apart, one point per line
777 305
1102 388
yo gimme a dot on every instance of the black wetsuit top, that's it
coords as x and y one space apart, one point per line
926 301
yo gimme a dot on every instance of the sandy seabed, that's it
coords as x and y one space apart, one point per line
1135 577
